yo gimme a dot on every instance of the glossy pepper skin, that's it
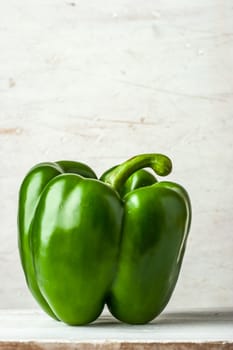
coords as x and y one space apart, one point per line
119 240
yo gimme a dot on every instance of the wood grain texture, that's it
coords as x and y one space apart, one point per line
115 346
101 81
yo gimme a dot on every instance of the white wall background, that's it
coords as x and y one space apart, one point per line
99 81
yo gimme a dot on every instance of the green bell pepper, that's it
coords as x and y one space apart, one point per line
119 241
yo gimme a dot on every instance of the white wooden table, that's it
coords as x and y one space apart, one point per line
202 329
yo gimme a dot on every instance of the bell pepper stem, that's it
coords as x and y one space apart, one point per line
160 163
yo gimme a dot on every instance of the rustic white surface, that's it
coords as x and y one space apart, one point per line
201 326
100 81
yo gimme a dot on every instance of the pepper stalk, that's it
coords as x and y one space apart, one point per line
161 164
